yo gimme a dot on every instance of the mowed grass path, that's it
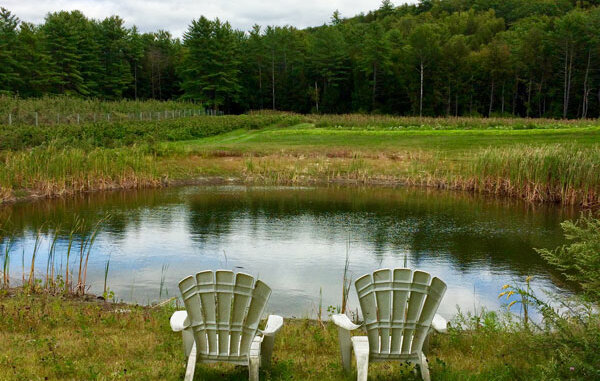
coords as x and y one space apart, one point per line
305 137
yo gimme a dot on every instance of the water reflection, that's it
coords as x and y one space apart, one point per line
295 239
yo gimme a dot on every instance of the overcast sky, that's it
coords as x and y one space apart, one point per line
175 15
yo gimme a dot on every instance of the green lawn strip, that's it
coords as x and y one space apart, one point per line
313 139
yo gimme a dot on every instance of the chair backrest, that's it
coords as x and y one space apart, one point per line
398 306
224 310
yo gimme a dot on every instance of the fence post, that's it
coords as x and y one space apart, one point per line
36 119
9 119
108 116
77 118
94 117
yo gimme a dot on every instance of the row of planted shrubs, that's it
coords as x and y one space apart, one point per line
124 133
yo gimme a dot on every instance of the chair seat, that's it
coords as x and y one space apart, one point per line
360 345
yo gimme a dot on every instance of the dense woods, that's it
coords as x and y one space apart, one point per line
534 58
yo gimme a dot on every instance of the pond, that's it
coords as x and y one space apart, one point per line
296 239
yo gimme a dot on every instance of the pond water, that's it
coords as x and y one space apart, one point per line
296 240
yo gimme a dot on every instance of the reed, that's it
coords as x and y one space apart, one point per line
74 229
553 173
106 268
346 280
86 242
50 280
36 246
6 262
163 275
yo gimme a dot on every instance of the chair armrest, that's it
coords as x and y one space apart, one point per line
342 321
179 321
274 324
439 324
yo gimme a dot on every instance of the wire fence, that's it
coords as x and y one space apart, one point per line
48 119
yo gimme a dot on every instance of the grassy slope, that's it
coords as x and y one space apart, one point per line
48 337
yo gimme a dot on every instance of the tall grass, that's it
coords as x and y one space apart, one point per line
87 240
106 268
55 171
554 173
50 275
36 246
81 233
6 262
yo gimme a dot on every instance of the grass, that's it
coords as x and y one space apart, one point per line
537 160
56 337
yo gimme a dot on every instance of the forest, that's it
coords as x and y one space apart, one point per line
528 58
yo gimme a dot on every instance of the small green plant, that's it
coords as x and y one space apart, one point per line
332 310
524 297
108 294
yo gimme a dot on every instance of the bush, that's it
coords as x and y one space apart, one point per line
579 261
127 133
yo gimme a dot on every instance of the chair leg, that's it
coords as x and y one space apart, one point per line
345 348
362 365
188 341
254 358
191 364
253 367
267 351
424 368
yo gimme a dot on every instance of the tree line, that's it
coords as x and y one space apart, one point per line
532 58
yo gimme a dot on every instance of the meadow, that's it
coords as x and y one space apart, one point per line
534 159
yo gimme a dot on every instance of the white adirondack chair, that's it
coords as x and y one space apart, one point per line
398 307
220 324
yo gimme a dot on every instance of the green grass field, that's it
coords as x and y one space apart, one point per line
306 137
537 160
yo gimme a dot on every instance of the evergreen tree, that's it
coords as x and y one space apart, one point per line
210 68
9 77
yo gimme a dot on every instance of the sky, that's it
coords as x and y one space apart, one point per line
175 15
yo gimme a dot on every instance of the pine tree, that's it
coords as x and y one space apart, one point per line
9 77
211 63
